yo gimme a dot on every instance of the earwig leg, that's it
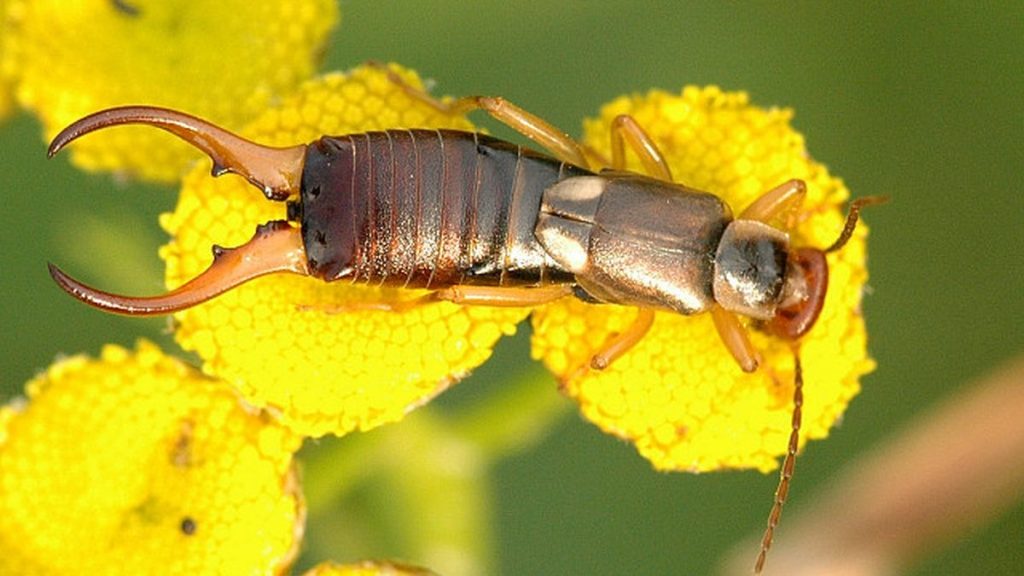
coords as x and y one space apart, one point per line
626 130
560 144
462 295
734 336
776 201
788 465
617 345
381 306
497 296
622 342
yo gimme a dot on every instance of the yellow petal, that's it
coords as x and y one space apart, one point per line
136 463
368 568
678 395
294 344
224 61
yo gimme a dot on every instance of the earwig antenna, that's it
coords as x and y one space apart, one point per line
276 247
275 171
851 220
786 472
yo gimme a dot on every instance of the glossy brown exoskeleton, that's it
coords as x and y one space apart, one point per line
478 220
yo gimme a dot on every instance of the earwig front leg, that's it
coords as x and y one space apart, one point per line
626 130
735 338
560 144
776 201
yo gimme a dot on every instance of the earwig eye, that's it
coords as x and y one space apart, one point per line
276 247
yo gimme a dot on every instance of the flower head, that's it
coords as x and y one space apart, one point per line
136 463
320 354
678 395
225 61
6 83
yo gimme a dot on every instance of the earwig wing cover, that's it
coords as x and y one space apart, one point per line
311 351
678 395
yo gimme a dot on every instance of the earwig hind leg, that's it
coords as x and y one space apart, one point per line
499 296
776 201
735 338
788 464
617 345
626 130
462 295
381 306
558 143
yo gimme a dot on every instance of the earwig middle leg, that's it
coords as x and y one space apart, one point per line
616 346
560 144
622 342
626 130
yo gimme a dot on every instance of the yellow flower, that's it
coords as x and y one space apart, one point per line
298 345
6 84
136 463
225 61
678 395
368 568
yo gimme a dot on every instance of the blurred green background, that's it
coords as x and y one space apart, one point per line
920 101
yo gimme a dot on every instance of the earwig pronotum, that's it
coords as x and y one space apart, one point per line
478 220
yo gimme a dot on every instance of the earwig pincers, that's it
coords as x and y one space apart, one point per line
478 220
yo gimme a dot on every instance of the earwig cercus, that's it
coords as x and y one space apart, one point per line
478 220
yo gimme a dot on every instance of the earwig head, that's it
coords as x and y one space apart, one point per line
275 171
803 294
276 247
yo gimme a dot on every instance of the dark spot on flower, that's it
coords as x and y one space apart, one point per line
126 8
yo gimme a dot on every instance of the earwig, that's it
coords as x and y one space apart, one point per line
478 220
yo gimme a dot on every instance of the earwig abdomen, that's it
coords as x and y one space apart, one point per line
427 209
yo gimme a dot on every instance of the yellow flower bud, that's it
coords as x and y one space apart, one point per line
224 61
135 463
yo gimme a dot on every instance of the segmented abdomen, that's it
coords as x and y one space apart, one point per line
427 209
